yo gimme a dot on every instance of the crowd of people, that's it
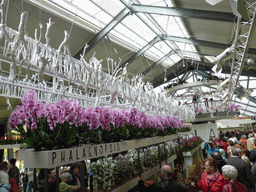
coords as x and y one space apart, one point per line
229 166
230 163
69 180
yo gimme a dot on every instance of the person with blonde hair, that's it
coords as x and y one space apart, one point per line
230 173
250 141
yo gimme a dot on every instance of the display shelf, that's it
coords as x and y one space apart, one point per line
132 183
11 146
190 153
54 158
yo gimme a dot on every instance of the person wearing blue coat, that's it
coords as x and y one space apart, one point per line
211 148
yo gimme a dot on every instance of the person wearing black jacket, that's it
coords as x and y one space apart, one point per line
245 175
167 183
220 161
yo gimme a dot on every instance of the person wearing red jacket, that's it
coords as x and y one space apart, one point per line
230 173
211 180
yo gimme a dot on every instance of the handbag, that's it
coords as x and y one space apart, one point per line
234 187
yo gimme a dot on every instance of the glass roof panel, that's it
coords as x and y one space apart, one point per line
110 6
121 28
125 38
176 58
141 42
161 19
132 29
253 94
156 2
91 20
252 83
168 63
162 47
133 23
156 52
243 78
105 18
243 83
91 8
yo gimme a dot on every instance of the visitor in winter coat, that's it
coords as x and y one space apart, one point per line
245 175
4 178
64 186
230 173
14 170
220 161
167 183
211 148
211 180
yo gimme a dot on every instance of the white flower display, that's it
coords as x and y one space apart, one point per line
110 172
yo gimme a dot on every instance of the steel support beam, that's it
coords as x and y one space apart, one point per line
245 104
99 36
157 63
148 23
203 66
158 80
199 42
180 12
140 52
250 98
185 76
248 111
169 77
191 53
204 74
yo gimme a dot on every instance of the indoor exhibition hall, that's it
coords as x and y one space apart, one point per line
127 95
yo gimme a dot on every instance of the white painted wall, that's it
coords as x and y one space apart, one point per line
203 130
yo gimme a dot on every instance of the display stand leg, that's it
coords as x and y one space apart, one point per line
57 178
91 183
180 155
82 177
91 178
34 179
165 152
139 163
45 180
159 155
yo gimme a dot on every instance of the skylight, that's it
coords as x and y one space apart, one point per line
132 29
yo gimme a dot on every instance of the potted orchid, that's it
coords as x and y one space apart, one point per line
191 143
65 124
